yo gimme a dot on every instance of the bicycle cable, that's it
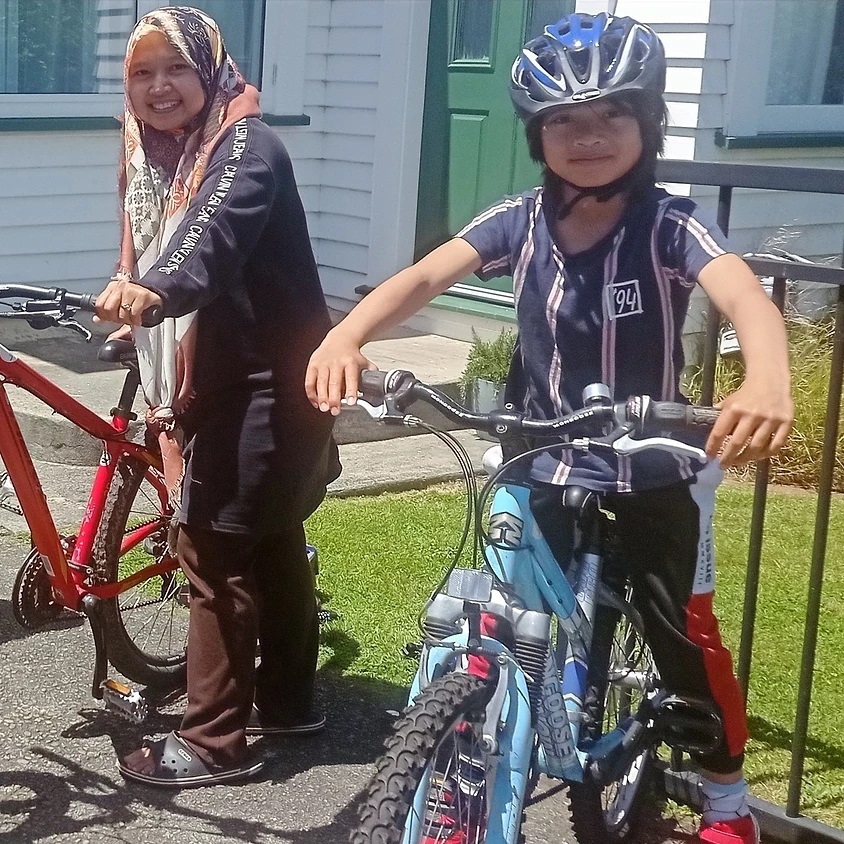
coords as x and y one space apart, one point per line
471 489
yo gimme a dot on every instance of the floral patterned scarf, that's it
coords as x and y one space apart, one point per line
159 175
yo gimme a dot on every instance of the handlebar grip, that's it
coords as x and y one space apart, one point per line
372 384
673 416
151 317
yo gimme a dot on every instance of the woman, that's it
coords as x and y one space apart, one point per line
214 231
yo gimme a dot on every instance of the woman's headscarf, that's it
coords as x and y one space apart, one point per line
159 175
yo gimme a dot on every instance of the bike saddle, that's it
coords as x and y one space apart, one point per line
118 351
689 724
579 500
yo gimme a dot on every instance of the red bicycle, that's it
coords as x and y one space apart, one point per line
116 569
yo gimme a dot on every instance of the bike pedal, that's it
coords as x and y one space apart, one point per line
124 701
689 724
326 616
412 650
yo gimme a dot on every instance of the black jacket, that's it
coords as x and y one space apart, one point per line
257 450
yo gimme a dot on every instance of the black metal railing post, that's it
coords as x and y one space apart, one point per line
713 318
754 545
810 638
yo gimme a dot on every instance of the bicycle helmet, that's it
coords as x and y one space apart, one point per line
582 58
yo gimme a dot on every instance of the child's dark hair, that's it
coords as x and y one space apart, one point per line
651 113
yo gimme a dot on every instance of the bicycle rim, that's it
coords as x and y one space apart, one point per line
146 625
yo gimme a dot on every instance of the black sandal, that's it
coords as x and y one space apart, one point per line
178 765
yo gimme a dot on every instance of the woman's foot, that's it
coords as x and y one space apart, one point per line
171 762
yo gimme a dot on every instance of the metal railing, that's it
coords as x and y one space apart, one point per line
784 823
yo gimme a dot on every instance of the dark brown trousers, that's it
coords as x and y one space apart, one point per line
246 590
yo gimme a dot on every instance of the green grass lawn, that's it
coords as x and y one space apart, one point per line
382 556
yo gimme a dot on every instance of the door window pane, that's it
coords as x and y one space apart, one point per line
473 30
807 65
543 12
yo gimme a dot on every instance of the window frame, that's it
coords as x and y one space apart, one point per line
747 114
284 36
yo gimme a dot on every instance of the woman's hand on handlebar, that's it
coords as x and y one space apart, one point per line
124 301
333 372
754 424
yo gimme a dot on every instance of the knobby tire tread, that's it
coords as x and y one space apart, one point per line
389 796
124 656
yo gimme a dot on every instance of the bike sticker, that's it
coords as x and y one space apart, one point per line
506 529
624 298
45 561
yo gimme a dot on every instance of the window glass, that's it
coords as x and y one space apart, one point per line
242 25
807 67
543 12
77 46
63 46
473 31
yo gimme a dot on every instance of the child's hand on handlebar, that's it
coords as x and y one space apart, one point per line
754 424
333 372
124 301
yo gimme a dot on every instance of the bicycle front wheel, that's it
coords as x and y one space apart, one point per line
621 669
432 778
146 626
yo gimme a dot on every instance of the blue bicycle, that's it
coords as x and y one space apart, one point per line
527 666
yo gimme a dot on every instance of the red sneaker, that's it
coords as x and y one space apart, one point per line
740 831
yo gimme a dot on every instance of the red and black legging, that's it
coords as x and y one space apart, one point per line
665 544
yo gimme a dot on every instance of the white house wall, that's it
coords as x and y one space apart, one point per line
358 162
361 82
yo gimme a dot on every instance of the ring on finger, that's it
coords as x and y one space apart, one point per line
125 306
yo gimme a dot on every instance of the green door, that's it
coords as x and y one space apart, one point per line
473 146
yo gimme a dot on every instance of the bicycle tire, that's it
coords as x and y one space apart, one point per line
611 813
146 626
431 734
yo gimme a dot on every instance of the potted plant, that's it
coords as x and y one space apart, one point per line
487 365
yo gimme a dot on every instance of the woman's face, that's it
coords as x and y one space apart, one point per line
163 88
591 144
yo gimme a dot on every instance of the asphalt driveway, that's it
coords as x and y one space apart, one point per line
58 781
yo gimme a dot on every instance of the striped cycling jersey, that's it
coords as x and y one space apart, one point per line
612 314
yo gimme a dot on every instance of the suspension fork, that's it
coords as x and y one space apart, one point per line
510 710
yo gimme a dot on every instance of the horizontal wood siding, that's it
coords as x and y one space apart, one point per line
58 208
333 157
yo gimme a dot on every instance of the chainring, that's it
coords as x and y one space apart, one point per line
33 604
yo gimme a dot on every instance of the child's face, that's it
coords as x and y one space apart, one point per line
591 144
163 88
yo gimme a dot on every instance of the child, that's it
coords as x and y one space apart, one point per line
603 263
214 225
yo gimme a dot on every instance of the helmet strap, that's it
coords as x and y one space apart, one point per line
634 180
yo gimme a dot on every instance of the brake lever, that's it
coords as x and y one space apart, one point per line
625 445
377 412
75 326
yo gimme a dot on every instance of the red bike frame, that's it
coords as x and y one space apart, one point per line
68 576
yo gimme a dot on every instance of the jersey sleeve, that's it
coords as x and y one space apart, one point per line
689 238
491 234
223 223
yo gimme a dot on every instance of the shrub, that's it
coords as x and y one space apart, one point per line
810 346
488 359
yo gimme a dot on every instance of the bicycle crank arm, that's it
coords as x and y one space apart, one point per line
124 701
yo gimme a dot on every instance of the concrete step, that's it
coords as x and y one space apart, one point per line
68 361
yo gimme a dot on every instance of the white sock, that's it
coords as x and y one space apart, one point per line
724 802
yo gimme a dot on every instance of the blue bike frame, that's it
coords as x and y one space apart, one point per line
519 556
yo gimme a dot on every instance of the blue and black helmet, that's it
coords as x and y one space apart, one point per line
582 58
